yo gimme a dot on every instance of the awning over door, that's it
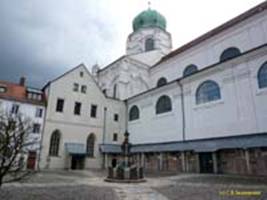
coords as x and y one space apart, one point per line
198 145
75 148
110 148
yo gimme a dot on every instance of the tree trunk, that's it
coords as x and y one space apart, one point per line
1 181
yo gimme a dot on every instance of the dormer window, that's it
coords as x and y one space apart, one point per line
34 96
3 89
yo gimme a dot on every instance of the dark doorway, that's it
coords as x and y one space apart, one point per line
77 162
205 163
114 162
31 160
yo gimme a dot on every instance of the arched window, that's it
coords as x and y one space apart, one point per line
54 143
229 53
164 104
162 81
115 91
90 145
262 76
134 113
190 69
208 91
149 44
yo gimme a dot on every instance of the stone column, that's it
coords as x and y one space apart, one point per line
161 161
68 162
183 161
215 162
106 161
143 160
197 163
103 161
126 160
138 160
247 157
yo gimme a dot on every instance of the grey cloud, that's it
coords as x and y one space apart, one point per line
42 39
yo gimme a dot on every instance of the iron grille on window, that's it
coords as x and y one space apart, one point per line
90 145
54 143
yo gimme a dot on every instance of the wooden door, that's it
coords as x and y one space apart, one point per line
31 160
206 163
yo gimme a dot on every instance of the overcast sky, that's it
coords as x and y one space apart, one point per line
43 39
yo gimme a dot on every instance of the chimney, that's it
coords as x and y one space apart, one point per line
22 81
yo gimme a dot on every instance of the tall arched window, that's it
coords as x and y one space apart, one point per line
208 91
229 53
115 91
262 76
190 69
90 146
162 81
164 104
54 143
149 44
134 113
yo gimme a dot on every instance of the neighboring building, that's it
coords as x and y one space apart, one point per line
199 108
29 102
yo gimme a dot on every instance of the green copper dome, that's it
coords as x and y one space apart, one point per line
149 18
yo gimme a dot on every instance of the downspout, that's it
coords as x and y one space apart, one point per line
183 109
43 128
126 115
104 126
104 137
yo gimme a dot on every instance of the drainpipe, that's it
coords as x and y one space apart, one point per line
104 126
182 108
104 138
43 127
126 115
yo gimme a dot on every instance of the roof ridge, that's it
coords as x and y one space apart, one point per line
228 24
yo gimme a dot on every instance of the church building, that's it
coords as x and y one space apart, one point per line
199 108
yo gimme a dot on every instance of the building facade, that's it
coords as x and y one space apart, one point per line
78 118
205 110
199 108
18 99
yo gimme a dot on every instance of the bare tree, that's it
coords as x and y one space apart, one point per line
15 140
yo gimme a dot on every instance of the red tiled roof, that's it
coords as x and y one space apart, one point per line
17 92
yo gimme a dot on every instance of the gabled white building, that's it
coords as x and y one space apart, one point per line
79 117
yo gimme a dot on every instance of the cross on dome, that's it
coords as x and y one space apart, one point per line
149 4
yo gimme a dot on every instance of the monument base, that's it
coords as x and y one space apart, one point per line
111 180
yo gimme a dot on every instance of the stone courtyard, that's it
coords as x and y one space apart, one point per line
87 185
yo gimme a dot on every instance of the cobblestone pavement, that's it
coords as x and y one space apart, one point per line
57 193
87 185
215 187
139 193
